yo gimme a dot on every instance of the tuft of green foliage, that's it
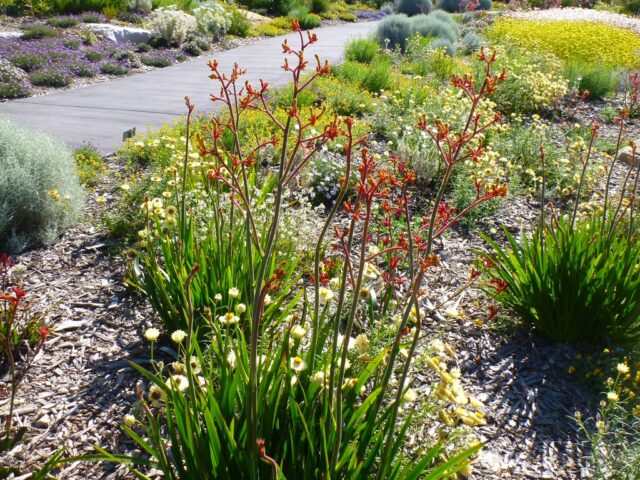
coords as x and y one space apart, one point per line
361 50
28 61
571 281
113 69
432 26
63 22
599 81
91 18
393 31
373 78
50 78
413 7
32 31
155 61
306 20
240 26
40 193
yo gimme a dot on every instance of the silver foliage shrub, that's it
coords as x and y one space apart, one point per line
40 194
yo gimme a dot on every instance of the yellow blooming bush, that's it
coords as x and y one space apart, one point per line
90 165
587 41
535 81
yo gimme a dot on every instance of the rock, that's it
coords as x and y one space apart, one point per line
43 422
254 18
8 35
120 34
626 155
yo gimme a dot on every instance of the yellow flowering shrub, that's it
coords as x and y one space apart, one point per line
535 81
586 41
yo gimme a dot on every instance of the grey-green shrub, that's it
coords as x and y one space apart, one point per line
393 31
414 7
445 44
446 18
471 42
388 8
429 26
453 6
140 6
40 194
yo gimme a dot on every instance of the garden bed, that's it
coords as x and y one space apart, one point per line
481 373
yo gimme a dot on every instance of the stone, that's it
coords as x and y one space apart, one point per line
626 155
254 18
119 34
9 35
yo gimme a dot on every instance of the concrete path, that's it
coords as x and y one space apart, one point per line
99 114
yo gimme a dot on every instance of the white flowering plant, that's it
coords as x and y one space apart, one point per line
171 24
212 20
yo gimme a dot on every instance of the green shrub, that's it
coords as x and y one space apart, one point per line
372 78
91 18
413 7
347 16
572 282
306 20
320 6
240 26
28 61
72 44
361 50
50 78
632 6
35 32
155 61
599 81
63 22
90 165
393 31
13 90
94 56
81 69
113 69
342 97
273 7
378 76
140 6
429 26
40 193
191 49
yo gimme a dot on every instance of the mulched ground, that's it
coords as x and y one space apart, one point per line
81 385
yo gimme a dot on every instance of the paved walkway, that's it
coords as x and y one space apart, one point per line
99 114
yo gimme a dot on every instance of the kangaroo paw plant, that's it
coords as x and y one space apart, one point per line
278 372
